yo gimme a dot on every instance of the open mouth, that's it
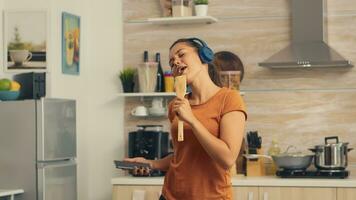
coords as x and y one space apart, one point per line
182 70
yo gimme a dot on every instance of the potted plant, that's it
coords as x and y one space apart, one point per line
127 79
201 7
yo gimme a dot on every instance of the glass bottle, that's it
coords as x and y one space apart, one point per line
145 56
160 75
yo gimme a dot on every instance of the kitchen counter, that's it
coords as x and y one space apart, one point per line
271 181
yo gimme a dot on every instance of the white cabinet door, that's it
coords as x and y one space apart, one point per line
346 193
123 192
245 193
296 193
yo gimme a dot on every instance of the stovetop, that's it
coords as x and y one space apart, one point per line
332 174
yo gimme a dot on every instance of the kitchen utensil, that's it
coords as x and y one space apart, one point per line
256 156
255 165
293 161
181 89
287 160
254 141
331 156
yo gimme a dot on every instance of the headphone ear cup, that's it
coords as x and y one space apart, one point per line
206 54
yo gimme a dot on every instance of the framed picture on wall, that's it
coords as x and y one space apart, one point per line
70 44
25 40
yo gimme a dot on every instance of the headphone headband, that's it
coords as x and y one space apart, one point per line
198 41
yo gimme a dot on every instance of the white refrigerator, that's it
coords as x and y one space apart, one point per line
38 148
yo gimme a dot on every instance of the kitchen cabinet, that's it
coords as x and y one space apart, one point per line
152 192
296 193
245 193
126 192
346 193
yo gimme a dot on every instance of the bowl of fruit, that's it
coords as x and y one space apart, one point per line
9 90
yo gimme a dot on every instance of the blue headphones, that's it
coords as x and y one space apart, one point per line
206 55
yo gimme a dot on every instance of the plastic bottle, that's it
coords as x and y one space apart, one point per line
160 75
274 149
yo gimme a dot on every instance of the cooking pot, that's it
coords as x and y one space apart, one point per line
288 161
331 156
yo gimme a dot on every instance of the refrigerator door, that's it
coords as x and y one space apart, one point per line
18 147
56 129
57 181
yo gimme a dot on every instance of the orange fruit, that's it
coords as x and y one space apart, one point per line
15 86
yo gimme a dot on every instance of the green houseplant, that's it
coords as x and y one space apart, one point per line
201 2
127 76
201 7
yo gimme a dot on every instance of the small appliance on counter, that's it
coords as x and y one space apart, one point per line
33 85
150 142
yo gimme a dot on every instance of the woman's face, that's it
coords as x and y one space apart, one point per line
184 59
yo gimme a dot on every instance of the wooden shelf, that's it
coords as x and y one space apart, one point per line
183 20
151 94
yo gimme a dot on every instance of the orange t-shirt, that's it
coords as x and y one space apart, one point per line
193 174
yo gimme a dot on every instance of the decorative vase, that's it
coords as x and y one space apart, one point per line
201 10
128 86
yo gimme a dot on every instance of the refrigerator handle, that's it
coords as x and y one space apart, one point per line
48 164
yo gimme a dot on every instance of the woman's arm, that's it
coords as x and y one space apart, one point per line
223 150
161 164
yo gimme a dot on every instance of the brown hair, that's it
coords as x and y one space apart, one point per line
228 61
212 70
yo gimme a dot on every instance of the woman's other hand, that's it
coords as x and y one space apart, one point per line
183 110
142 171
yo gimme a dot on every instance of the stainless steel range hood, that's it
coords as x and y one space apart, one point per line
308 48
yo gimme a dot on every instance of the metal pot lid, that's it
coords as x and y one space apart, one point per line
335 142
340 144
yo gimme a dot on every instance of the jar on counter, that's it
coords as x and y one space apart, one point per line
168 81
182 8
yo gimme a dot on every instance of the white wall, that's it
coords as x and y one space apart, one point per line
69 86
106 109
99 110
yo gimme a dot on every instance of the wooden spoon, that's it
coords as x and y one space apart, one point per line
180 85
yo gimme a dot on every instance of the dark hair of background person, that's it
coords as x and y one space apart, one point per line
212 69
228 61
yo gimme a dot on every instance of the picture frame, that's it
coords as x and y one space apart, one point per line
25 40
70 44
